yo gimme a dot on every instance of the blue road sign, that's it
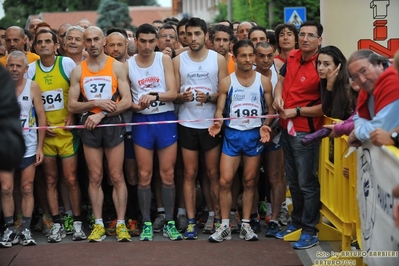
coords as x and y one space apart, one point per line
295 15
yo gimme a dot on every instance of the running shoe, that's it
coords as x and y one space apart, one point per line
147 234
57 233
181 223
26 238
284 217
222 233
290 229
247 233
306 241
77 231
97 234
47 224
191 232
122 234
133 227
273 229
67 221
9 238
255 225
209 225
170 231
111 228
159 223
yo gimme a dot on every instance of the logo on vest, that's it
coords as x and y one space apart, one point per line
198 75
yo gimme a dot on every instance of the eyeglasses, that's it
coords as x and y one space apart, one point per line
167 35
362 72
311 36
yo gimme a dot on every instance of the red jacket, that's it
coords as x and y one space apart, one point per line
301 88
386 91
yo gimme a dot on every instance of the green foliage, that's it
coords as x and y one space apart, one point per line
14 17
142 2
222 13
113 14
247 10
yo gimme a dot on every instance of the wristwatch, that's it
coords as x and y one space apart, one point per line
156 94
105 113
394 137
298 110
208 98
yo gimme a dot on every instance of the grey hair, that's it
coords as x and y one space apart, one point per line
371 56
18 54
78 28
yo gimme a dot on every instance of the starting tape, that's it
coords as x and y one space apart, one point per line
151 123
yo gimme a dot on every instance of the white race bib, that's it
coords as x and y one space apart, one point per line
53 100
244 109
98 88
156 107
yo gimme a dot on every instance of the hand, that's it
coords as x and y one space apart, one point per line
201 97
264 133
93 120
353 141
278 103
50 132
168 51
381 137
106 105
288 113
147 99
39 157
188 95
345 172
69 121
215 128
333 134
331 76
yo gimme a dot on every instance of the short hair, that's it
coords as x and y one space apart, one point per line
158 21
291 27
171 19
224 28
197 22
372 57
120 30
54 36
146 29
264 45
21 30
315 24
2 28
228 21
17 54
72 28
182 22
271 36
167 26
43 24
242 43
256 28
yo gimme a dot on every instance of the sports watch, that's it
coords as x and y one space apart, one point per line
298 110
394 137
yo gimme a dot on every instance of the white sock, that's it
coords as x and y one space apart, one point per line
226 222
99 221
181 211
212 213
120 222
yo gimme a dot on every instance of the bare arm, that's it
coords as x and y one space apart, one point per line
278 102
187 95
224 85
267 92
42 120
123 87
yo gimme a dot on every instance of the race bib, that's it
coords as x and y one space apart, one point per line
206 88
242 110
53 100
98 88
157 107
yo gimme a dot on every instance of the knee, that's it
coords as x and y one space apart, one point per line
27 189
168 176
225 184
95 180
249 183
51 181
7 190
71 181
213 174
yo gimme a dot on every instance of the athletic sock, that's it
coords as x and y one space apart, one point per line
9 222
56 219
99 221
225 222
168 196
26 221
144 196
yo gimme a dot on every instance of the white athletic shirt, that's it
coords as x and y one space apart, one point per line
202 76
28 119
146 80
245 101
274 81
67 65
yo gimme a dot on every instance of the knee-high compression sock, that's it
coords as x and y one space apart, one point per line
144 196
168 196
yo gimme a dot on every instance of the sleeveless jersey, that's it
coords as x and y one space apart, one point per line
54 85
100 85
231 65
245 101
274 78
202 76
28 119
146 80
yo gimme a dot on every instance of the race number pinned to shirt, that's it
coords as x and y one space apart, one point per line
98 88
53 100
205 88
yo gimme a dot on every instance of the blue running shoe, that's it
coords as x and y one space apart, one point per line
273 229
290 229
306 241
191 231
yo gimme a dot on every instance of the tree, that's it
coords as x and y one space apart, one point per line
142 2
222 13
113 14
245 10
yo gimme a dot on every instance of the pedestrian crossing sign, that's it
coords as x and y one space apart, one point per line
295 15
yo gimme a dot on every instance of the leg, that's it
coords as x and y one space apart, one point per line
7 186
27 178
69 166
212 160
51 173
190 160
228 167
251 168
